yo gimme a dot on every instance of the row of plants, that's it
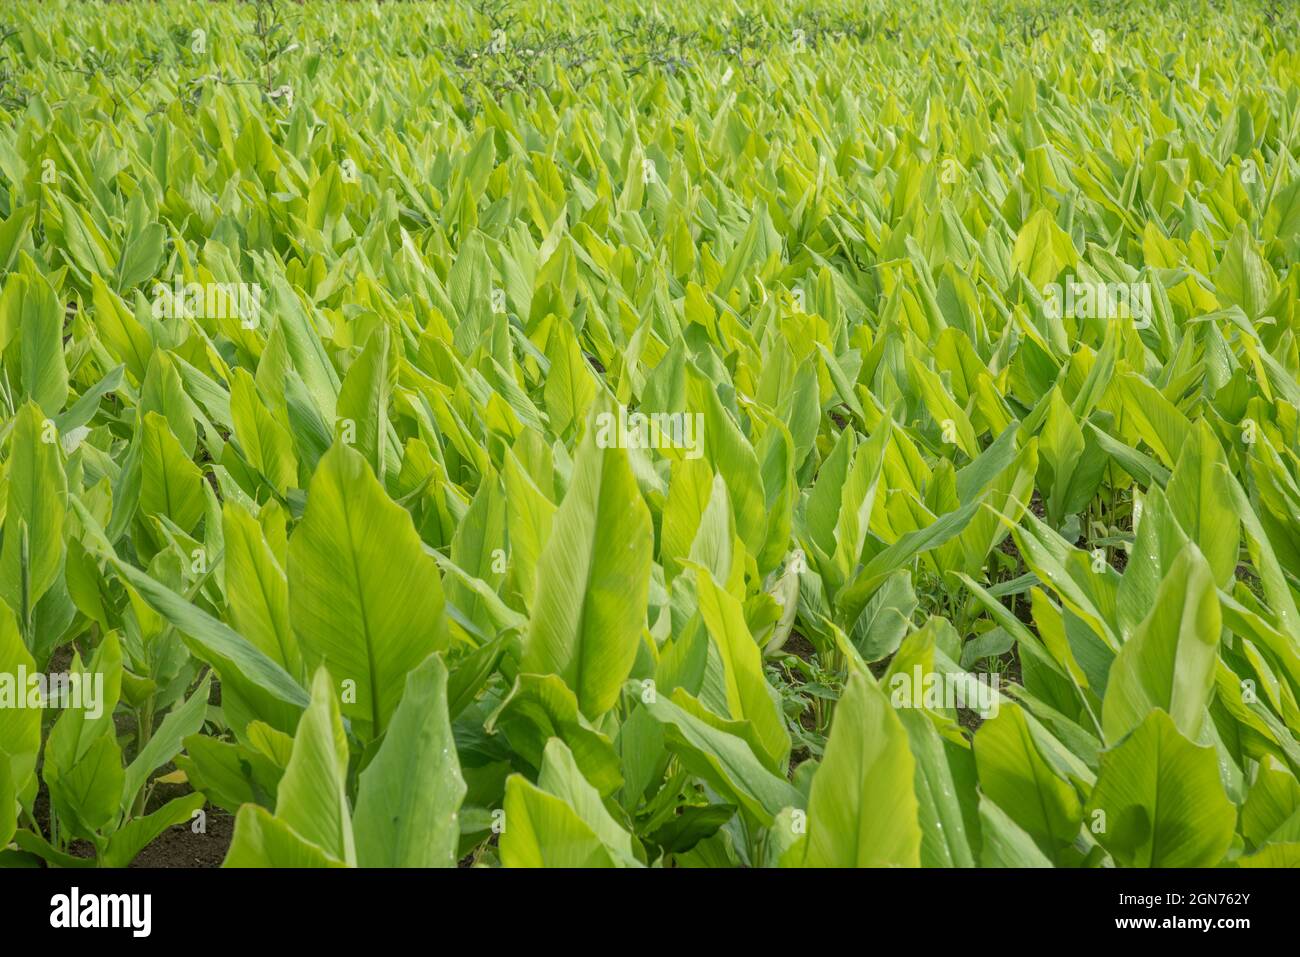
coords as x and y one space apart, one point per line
513 435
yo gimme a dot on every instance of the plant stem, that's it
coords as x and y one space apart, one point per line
32 823
144 731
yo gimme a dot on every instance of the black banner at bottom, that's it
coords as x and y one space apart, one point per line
337 907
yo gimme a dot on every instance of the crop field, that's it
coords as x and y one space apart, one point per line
608 434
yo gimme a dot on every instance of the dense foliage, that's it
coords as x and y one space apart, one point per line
572 434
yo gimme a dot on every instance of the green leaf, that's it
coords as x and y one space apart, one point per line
1243 277
1015 773
363 399
266 443
261 840
944 841
725 761
87 794
171 484
130 839
1200 500
1042 249
165 743
20 727
271 692
257 591
593 580
8 802
540 707
570 388
33 520
885 618
42 368
228 773
1274 799
83 764
1282 219
1169 661
312 798
541 830
1005 843
560 776
862 811
364 597
1162 800
409 795
748 695
142 252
